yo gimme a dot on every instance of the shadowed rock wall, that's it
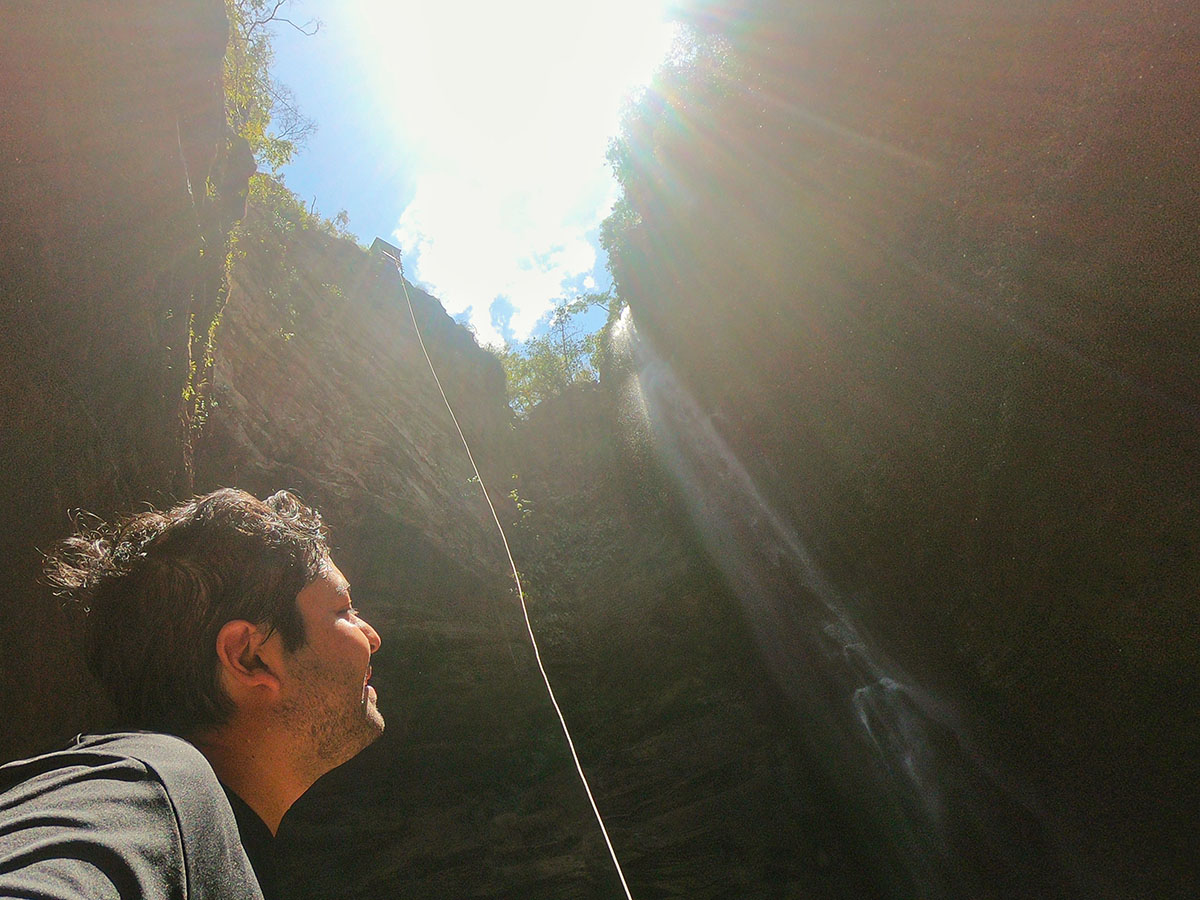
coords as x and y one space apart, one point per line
932 270
113 120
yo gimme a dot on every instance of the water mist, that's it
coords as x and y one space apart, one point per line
898 759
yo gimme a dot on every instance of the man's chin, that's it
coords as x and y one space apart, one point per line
374 719
366 732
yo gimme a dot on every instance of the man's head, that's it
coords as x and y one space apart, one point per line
161 587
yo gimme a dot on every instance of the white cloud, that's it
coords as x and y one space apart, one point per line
471 241
503 113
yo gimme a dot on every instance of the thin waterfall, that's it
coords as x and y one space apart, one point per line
897 756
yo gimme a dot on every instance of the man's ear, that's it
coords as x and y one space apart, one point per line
245 657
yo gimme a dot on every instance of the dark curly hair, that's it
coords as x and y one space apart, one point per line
157 587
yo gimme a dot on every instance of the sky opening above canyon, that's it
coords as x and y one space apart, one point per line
473 135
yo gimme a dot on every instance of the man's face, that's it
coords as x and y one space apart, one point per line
327 700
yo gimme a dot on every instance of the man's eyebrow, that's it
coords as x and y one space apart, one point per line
344 589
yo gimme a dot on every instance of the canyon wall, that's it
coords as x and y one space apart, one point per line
931 271
116 177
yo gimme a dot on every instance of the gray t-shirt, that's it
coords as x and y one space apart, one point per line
120 816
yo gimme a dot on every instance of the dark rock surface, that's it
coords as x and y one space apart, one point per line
113 119
932 274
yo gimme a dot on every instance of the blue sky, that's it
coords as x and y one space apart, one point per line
472 135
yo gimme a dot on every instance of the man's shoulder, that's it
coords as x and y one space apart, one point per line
120 757
151 798
134 744
93 749
174 761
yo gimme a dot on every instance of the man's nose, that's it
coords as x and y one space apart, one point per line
372 635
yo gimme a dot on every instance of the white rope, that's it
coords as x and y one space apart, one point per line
517 579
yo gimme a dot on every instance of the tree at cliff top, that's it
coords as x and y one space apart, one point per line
262 112
259 107
546 365
276 222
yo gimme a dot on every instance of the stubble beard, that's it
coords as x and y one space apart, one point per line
331 727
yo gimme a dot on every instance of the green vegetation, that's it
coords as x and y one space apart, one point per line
275 220
545 366
263 112
702 78
257 106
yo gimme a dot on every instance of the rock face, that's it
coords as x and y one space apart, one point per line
710 786
328 392
931 275
113 121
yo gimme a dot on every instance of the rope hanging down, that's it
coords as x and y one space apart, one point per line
393 253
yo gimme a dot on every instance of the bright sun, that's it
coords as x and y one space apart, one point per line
503 112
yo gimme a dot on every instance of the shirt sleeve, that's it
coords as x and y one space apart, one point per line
98 830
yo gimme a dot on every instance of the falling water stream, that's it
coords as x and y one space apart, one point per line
938 817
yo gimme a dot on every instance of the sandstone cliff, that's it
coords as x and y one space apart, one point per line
471 792
111 256
930 271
